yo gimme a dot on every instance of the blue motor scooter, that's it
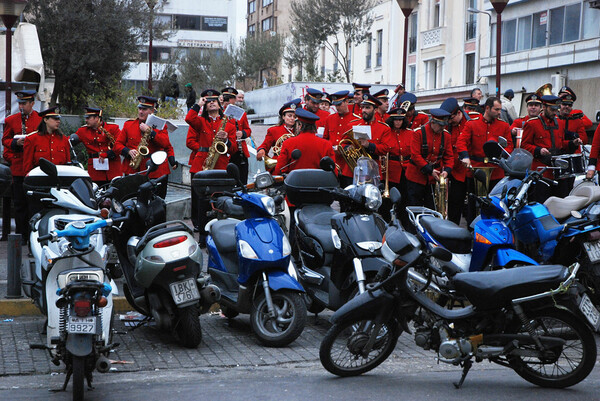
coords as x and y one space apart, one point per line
249 260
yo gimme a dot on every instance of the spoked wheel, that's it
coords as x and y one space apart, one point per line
78 376
188 327
286 326
343 352
558 366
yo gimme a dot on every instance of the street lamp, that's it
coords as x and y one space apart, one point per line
151 5
407 7
499 6
10 10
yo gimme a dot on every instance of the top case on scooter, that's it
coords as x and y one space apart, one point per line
302 186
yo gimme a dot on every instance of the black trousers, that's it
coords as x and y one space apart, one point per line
21 209
419 195
241 161
456 199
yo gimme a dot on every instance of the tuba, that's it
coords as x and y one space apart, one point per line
270 163
218 147
351 150
142 149
440 196
544 90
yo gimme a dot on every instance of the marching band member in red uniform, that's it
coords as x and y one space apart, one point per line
130 137
470 145
382 142
471 105
456 123
98 137
593 160
575 114
534 107
242 131
398 163
22 123
413 119
325 104
335 127
359 91
312 147
47 142
205 128
575 124
431 158
544 137
381 113
312 100
287 125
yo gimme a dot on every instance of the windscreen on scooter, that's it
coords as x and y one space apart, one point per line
516 167
82 189
366 172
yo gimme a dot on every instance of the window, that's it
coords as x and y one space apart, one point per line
251 7
251 30
165 20
369 50
412 77
413 33
379 55
590 27
471 29
470 68
557 20
540 23
189 22
217 24
509 36
267 24
524 33
572 18
159 54
433 73
266 2
564 24
336 54
436 14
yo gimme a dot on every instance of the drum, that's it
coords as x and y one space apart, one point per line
576 166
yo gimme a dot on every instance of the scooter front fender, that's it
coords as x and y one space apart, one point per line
505 256
279 280
80 344
367 305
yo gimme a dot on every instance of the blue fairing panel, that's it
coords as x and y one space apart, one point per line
506 256
279 280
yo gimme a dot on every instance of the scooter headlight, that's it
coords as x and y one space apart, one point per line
372 197
286 247
246 250
269 204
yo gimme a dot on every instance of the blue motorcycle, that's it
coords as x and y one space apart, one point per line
249 260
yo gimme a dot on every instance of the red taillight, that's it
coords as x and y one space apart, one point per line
176 269
82 307
170 242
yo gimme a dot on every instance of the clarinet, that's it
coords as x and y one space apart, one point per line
24 118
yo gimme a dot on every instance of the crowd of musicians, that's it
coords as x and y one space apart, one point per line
415 150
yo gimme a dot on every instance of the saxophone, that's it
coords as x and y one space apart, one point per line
111 138
142 150
217 148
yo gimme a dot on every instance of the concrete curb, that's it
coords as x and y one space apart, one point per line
25 307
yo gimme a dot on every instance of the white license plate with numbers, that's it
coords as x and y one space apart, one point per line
184 291
81 325
593 250
589 311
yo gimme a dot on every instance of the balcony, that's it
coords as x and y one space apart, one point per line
432 38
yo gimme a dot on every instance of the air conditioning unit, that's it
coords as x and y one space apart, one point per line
557 81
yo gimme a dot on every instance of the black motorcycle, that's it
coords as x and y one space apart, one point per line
339 252
515 318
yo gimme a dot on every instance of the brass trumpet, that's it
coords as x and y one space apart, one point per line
353 150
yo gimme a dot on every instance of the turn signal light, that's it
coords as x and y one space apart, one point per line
104 213
102 302
481 239
82 307
170 242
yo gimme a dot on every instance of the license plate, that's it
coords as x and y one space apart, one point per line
81 325
590 312
593 250
184 291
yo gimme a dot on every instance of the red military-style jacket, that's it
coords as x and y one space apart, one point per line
519 122
273 134
418 119
202 136
595 147
382 141
191 134
424 161
474 135
98 144
575 127
381 117
399 162
459 171
335 128
243 125
313 150
130 138
323 115
587 123
537 135
53 147
13 153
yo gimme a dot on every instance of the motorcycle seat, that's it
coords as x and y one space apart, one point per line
561 208
315 221
492 289
223 233
452 237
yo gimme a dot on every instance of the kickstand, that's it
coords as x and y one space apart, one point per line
142 322
64 386
466 366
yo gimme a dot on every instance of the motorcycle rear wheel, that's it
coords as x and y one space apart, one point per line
188 329
340 351
78 377
564 366
282 330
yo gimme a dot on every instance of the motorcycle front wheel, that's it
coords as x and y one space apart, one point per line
188 327
288 323
560 366
342 349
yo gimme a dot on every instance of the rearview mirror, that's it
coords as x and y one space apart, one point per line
480 175
74 139
502 141
234 172
296 153
326 163
159 157
395 195
49 169
492 149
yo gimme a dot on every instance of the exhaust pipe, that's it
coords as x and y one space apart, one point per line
210 294
103 364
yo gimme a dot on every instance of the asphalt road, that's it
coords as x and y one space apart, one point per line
391 381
